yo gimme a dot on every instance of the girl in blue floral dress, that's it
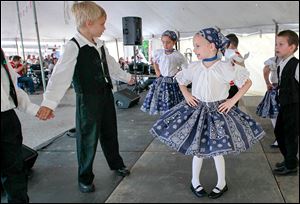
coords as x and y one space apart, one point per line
164 92
207 124
269 106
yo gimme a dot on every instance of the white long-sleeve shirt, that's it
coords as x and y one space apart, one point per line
213 83
63 71
7 103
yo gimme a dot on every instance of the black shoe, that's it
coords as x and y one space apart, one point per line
274 145
86 188
282 171
200 193
123 171
279 164
214 195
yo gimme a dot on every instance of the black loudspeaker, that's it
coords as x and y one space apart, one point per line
132 31
126 98
29 156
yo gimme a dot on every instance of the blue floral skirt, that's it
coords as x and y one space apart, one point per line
268 107
163 94
205 132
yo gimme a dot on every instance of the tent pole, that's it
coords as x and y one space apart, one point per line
18 48
276 32
178 41
117 48
40 53
20 28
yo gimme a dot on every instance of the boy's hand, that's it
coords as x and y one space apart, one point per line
131 81
45 113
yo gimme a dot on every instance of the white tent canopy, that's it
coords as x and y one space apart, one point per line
253 22
55 19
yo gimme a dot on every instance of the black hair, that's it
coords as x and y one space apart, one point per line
233 39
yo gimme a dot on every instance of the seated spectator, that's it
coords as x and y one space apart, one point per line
22 71
52 64
28 60
123 64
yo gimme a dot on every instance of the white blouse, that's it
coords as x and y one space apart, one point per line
212 84
271 62
169 64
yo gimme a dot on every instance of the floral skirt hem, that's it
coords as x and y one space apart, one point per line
205 132
268 107
206 156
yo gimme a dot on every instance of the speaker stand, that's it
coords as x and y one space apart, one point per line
137 85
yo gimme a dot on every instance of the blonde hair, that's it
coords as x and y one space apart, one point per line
86 10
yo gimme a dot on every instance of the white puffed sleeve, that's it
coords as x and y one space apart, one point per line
185 76
182 61
241 75
271 63
156 56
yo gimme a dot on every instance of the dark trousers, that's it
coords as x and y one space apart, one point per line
13 176
287 133
96 120
232 91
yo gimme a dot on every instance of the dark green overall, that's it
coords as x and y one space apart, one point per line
95 112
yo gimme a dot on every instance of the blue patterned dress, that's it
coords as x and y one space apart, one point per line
203 130
269 106
164 93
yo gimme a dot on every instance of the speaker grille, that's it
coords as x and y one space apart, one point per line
132 30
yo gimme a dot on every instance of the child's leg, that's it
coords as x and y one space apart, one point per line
196 168
109 135
220 166
273 120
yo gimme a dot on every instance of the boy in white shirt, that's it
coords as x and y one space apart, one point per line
86 61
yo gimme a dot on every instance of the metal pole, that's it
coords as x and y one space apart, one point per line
276 32
40 53
18 48
136 87
118 55
178 40
20 28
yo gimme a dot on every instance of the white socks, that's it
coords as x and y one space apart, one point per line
196 168
220 167
273 120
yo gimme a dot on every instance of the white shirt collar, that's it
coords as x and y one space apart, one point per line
283 62
83 41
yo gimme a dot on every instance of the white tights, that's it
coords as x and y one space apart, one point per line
273 120
220 167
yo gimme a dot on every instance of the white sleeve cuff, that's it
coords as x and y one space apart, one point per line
49 104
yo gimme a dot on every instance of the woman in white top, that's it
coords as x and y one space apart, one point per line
269 107
164 92
207 125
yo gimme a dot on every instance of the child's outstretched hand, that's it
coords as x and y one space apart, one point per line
45 113
190 99
131 81
226 106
